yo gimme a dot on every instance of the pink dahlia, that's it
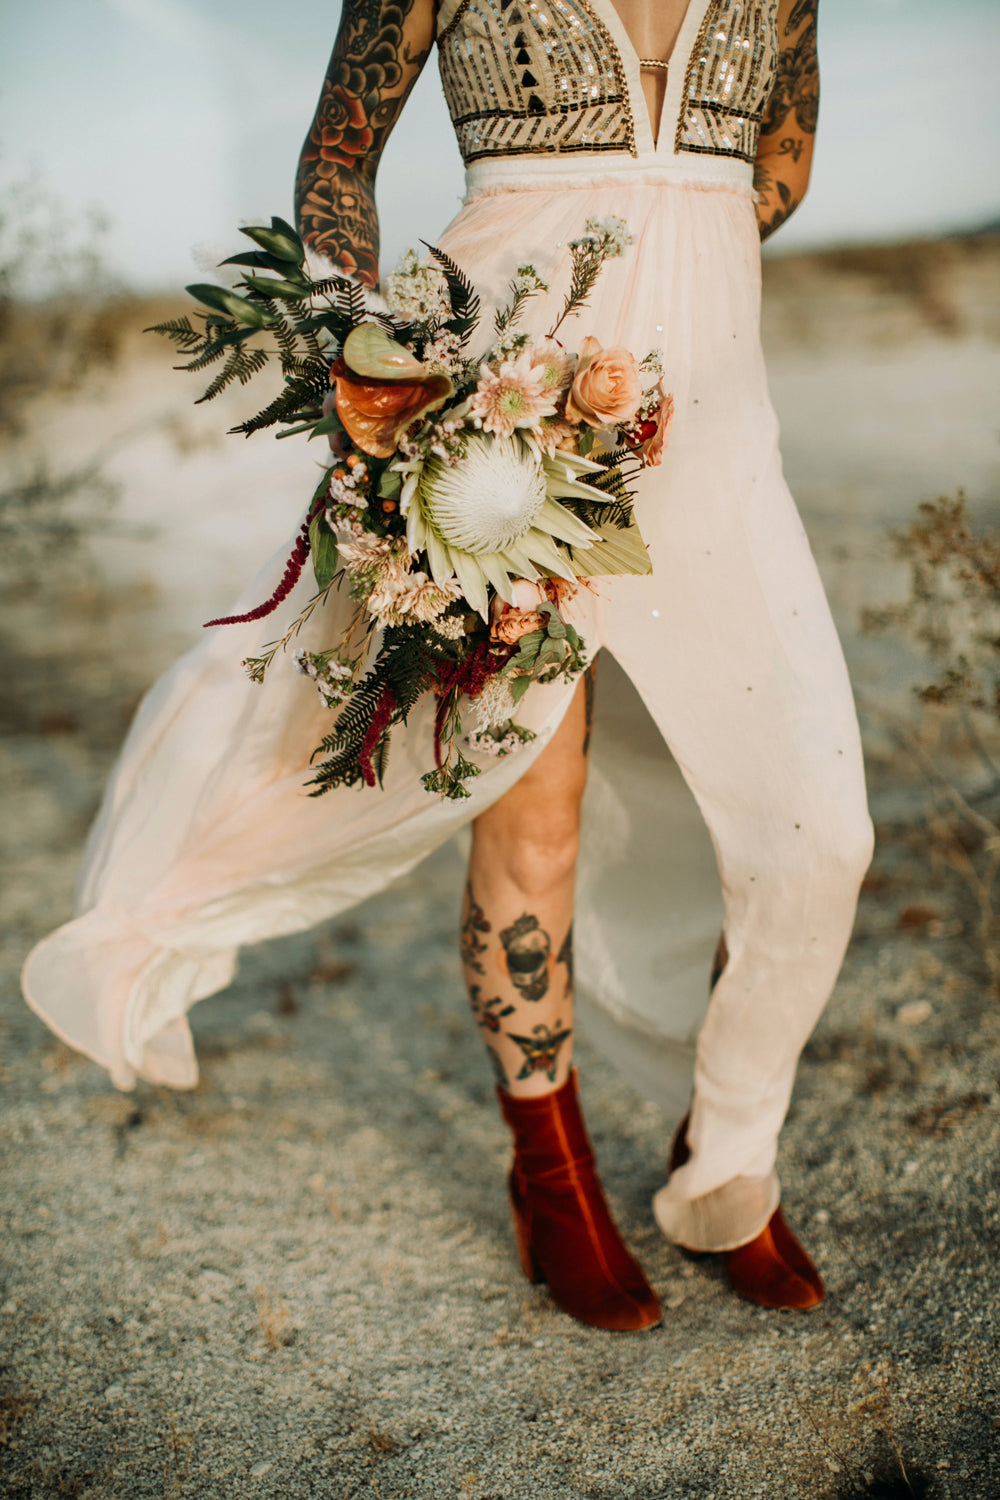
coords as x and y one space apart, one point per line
513 396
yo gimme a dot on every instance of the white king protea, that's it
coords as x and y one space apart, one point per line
495 515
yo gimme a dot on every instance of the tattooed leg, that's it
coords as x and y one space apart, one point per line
517 918
524 1035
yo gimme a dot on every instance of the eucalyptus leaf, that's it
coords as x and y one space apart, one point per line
286 246
389 485
282 226
261 261
274 286
518 687
324 550
222 300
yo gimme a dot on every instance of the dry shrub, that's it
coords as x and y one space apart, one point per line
275 1321
62 317
61 312
14 1407
953 614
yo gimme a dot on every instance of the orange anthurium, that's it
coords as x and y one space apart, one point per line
381 388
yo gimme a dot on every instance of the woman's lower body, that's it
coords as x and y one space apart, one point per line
206 840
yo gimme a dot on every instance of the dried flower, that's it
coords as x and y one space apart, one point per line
403 598
365 551
508 622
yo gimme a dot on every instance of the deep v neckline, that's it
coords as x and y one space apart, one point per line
652 141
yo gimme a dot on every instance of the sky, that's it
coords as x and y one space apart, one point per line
181 119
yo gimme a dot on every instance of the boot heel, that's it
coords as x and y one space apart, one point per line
525 1254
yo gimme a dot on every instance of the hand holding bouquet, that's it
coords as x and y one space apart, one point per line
467 498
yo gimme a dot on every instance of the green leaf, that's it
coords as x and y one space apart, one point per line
294 431
222 300
330 423
282 226
555 629
285 244
518 687
261 261
389 485
324 550
273 286
586 441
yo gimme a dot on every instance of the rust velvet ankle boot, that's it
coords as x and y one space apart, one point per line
565 1233
772 1269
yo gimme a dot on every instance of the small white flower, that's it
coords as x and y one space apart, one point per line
417 291
495 704
527 279
450 627
612 234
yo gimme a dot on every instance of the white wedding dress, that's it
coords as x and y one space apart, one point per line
207 840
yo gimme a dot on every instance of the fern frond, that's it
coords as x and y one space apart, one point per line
464 297
209 354
242 365
179 330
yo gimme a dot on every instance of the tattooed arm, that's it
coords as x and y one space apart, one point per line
379 51
784 154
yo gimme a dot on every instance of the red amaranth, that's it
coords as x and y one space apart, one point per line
290 577
470 677
376 729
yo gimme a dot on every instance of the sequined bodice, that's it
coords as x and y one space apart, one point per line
553 77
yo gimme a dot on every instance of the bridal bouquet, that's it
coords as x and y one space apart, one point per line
467 499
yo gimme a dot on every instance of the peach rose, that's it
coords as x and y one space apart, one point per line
510 621
606 388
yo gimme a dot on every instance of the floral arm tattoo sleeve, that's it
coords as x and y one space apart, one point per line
380 49
784 154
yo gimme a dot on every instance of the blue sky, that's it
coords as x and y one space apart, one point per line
182 118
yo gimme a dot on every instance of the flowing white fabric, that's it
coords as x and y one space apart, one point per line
207 840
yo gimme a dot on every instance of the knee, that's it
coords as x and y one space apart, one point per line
812 861
835 857
847 848
534 853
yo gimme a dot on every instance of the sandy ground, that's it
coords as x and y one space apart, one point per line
298 1280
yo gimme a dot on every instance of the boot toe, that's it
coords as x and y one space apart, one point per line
774 1270
630 1310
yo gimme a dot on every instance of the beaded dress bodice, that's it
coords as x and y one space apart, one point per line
544 78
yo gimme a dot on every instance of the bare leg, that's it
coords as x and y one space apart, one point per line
517 918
